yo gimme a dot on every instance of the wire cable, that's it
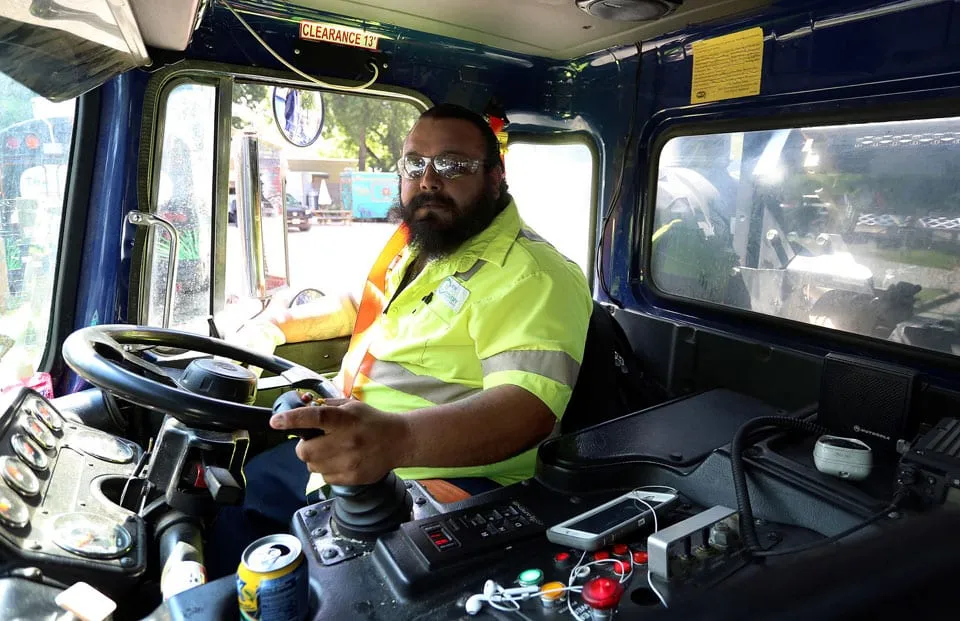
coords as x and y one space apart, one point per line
306 76
748 532
656 527
832 539
605 221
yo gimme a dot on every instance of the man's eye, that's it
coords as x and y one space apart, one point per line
451 163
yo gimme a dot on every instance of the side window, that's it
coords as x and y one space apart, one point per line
35 143
184 197
329 200
853 227
553 187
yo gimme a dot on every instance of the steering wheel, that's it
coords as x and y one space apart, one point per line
107 357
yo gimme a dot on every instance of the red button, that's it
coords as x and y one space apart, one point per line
621 550
640 557
441 542
621 568
198 481
562 557
602 593
602 555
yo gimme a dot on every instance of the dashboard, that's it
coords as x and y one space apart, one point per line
70 496
59 485
490 556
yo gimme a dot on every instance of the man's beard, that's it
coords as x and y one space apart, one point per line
437 238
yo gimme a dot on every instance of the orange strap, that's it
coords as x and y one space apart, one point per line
371 305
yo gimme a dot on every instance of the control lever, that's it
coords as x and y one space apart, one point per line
359 511
293 399
223 487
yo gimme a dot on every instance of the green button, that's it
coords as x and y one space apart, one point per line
530 577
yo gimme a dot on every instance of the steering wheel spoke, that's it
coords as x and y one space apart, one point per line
128 354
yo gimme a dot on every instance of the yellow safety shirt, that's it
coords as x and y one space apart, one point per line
504 308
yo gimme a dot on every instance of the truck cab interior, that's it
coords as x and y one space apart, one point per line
764 199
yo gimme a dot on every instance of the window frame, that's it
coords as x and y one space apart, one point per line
76 200
739 117
577 138
222 76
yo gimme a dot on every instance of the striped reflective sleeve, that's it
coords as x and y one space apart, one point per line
401 379
556 365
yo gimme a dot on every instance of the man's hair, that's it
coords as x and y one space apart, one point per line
453 111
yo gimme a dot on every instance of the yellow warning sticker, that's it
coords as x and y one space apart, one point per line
727 67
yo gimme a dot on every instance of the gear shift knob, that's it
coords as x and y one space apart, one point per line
367 511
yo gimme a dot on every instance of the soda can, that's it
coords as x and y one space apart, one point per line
272 581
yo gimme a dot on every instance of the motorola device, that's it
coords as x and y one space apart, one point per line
845 458
611 521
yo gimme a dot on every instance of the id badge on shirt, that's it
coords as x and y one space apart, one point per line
452 293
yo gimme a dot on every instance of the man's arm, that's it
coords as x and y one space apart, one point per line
361 443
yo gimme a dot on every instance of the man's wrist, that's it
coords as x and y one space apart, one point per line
404 442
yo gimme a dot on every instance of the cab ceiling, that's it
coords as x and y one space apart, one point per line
549 28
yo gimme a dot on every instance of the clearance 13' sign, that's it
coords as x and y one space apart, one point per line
331 33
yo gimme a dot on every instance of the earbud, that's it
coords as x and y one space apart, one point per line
494 594
474 603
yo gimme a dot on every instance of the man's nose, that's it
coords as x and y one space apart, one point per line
431 181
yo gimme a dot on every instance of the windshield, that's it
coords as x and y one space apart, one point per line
35 139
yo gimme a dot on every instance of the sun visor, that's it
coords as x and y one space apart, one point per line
62 48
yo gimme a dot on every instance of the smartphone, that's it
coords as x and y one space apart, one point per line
611 521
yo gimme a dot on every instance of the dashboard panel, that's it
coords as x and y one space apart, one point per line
57 478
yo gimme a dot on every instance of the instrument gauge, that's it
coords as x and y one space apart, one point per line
19 476
103 447
50 417
27 450
13 511
91 535
38 431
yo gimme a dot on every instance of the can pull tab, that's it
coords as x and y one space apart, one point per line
293 399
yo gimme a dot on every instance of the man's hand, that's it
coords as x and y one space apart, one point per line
360 444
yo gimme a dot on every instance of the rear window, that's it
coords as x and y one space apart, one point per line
852 227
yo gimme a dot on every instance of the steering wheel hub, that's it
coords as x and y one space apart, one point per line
220 379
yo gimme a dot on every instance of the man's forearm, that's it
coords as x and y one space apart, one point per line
496 424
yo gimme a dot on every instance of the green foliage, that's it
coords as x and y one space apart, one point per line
368 129
256 98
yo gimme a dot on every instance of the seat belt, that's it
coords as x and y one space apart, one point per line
372 303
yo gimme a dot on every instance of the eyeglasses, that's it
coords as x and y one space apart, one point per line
447 165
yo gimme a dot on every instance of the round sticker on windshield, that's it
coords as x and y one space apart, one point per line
298 114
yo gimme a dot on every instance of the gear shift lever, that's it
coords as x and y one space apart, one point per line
359 511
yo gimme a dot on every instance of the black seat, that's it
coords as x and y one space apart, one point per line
611 382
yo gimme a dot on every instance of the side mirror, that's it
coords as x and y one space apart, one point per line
298 115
